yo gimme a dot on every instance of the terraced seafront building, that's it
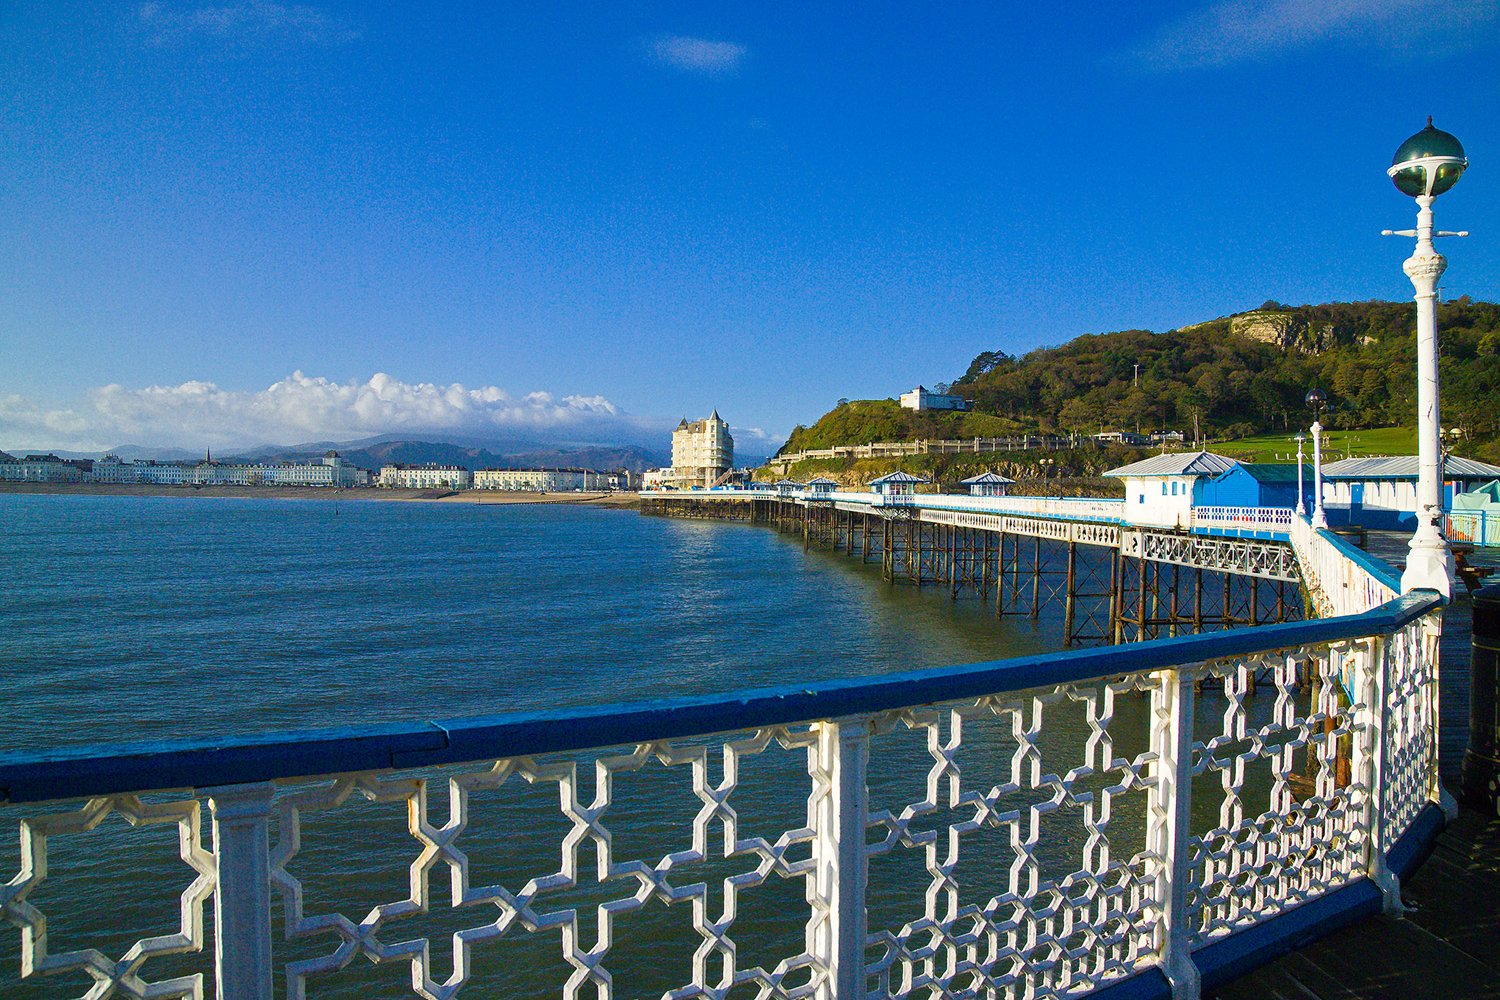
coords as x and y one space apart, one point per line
544 480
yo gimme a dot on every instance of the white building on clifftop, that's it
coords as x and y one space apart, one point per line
702 452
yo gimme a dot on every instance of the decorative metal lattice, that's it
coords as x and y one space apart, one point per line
527 908
1291 813
124 976
1052 927
1410 726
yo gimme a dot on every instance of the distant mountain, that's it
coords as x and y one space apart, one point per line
132 452
629 456
373 454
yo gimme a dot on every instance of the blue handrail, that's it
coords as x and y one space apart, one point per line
137 767
1379 570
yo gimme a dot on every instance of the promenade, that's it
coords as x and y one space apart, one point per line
1448 945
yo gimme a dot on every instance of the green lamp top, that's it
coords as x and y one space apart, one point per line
1430 142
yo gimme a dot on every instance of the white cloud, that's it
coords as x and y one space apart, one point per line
301 408
242 23
1232 31
755 441
699 55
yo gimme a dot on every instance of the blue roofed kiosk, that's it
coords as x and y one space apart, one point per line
822 487
988 484
896 484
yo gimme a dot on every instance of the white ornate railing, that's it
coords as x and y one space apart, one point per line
1342 579
1253 518
1035 827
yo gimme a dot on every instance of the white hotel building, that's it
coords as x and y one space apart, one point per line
544 480
702 452
426 477
331 471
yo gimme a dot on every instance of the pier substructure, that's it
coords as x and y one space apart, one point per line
1109 584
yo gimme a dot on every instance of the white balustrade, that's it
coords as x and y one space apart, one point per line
1342 579
1050 825
1250 518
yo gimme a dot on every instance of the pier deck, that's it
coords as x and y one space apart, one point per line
1449 946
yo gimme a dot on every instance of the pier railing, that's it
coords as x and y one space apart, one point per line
1478 527
1251 518
1277 520
1341 578
1043 826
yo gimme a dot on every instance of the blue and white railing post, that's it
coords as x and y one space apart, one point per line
1376 669
836 936
1170 809
242 902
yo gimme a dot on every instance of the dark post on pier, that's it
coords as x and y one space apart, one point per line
1481 781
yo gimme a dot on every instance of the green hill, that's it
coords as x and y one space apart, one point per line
1237 377
864 420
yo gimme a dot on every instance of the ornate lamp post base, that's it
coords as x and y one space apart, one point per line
1429 564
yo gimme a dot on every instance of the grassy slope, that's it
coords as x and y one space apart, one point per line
864 420
1336 445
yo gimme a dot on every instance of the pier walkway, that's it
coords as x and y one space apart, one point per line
1447 946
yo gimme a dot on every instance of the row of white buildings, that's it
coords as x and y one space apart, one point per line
332 470
455 477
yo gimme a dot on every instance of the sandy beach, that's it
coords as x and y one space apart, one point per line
594 499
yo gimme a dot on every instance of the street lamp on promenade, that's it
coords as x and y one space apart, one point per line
1301 507
1316 400
1425 166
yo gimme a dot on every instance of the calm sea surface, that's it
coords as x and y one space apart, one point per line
143 618
128 618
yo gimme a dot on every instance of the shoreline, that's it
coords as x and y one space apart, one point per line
614 501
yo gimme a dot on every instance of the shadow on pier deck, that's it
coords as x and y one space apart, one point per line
1449 946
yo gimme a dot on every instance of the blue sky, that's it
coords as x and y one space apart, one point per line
238 222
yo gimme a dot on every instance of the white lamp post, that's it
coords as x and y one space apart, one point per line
1317 399
1301 507
1425 166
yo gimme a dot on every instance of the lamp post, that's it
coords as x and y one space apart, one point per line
1301 507
1317 399
1425 166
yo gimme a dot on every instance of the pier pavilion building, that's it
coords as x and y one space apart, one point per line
987 484
1162 490
896 484
1259 484
1381 493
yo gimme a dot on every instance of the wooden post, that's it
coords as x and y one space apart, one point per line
1197 600
1036 578
1070 593
1116 581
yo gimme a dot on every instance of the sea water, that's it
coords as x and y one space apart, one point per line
128 618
